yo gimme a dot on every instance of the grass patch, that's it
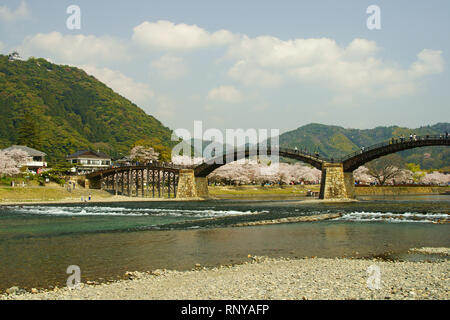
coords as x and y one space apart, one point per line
259 190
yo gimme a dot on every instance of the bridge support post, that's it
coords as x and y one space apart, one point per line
349 181
201 184
190 186
333 184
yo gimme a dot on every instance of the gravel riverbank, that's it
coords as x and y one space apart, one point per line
265 279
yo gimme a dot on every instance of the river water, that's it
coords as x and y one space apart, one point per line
38 243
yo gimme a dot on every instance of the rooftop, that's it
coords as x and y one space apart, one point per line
88 154
30 151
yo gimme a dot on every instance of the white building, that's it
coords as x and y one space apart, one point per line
87 161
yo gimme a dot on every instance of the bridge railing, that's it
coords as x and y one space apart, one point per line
390 142
271 149
316 156
155 164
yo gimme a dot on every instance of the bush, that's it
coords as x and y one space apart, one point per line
51 175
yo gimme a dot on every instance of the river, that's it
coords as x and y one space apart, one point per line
38 243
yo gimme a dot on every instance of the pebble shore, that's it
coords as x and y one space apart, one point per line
265 278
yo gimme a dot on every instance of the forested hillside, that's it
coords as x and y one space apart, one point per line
60 109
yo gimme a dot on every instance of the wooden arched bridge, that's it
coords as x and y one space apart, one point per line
166 180
157 180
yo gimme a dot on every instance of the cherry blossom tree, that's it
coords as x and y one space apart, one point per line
143 154
11 162
436 178
362 175
186 160
256 172
386 169
404 176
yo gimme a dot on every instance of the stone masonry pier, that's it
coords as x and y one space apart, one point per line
190 186
336 184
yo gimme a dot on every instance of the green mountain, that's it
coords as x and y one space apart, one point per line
335 142
65 110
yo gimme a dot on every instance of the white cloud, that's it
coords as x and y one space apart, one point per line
428 62
360 49
267 51
227 94
75 49
2 46
165 109
170 67
138 92
9 15
250 74
352 70
167 35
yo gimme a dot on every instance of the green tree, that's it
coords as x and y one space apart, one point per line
418 174
28 132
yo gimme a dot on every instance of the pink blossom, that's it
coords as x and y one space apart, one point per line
12 161
436 178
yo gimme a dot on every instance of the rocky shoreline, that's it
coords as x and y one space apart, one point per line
265 278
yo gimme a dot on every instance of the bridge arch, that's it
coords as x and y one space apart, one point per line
205 168
355 160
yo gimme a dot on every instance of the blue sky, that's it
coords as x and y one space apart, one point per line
251 64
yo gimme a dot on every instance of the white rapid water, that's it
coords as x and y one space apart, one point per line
128 212
395 217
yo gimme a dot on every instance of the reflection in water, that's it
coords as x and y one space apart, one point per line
340 233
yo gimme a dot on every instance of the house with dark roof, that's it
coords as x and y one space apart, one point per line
36 159
86 161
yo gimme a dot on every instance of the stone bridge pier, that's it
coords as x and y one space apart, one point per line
335 183
190 186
